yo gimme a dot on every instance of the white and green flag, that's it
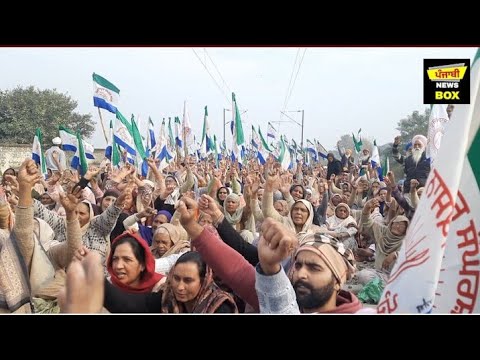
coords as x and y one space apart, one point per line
123 137
238 138
140 155
438 266
207 145
105 94
37 151
79 160
283 154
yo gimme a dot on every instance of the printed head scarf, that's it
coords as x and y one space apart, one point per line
338 259
207 301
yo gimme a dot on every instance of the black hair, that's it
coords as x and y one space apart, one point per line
10 168
218 191
137 249
196 258
298 185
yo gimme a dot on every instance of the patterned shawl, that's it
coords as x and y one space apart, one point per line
7 218
208 300
14 280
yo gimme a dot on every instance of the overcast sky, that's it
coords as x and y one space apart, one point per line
339 89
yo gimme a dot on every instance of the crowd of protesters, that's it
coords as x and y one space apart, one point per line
202 235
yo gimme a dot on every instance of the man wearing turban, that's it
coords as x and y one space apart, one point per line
416 165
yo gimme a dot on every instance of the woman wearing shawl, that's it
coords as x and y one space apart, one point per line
7 217
388 240
131 265
167 190
332 204
342 226
146 232
162 217
14 282
167 241
5 185
14 279
300 218
189 289
238 216
375 186
42 255
109 197
95 229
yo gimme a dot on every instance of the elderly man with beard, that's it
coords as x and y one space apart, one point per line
314 284
417 166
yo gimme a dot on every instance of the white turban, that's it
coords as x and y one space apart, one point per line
57 141
420 138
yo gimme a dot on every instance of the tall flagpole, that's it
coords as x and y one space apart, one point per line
103 126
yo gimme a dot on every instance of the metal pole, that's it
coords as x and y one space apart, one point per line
103 126
224 126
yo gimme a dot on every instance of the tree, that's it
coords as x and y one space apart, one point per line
414 124
22 110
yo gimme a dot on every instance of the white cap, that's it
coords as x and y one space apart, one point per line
57 141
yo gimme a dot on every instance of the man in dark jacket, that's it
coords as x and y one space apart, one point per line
416 165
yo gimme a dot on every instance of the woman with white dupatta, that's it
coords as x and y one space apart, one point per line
342 226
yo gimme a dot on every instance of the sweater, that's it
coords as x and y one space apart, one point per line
277 296
95 237
228 265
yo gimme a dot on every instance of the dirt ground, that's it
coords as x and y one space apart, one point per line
353 285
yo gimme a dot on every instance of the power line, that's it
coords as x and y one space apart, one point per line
223 92
290 81
299 66
224 82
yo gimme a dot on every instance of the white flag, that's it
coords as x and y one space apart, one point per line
423 279
436 129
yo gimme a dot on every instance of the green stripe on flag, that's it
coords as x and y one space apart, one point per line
473 156
61 127
115 153
81 155
43 162
477 56
124 121
137 138
240 140
105 83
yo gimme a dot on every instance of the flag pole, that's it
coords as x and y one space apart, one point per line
103 126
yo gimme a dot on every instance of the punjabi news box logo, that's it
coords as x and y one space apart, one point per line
446 81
